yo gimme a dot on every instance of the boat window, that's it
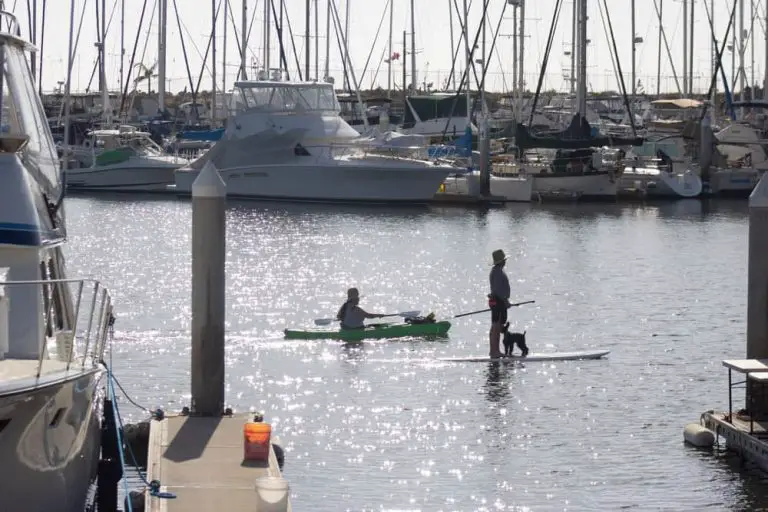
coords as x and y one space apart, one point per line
285 97
22 113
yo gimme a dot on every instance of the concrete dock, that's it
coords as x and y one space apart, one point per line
200 460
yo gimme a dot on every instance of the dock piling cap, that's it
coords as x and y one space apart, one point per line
209 183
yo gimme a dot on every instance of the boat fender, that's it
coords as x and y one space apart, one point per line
698 436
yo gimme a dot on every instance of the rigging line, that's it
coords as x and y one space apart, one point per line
375 40
719 62
542 72
466 72
461 26
344 63
279 28
618 67
293 44
106 31
186 63
204 67
378 68
666 45
459 16
133 57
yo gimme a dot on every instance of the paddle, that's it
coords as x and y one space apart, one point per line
406 314
486 310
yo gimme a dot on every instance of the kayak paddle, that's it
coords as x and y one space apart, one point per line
486 310
405 314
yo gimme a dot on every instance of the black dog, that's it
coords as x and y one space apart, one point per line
512 338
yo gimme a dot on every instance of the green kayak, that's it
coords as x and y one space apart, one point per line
375 331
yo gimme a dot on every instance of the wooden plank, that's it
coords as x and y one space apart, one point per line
747 365
200 460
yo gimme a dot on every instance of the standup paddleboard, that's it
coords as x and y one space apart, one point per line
532 357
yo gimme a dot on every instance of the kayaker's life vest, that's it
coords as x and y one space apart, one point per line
350 316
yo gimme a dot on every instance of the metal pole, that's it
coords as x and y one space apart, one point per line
685 47
453 44
742 47
466 63
634 50
244 41
224 49
414 80
307 36
161 29
209 199
752 82
521 73
348 86
574 29
405 78
389 59
122 44
213 61
317 41
690 50
267 24
67 92
328 40
765 79
658 59
514 48
582 45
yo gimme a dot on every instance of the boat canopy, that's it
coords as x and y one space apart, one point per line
578 135
435 106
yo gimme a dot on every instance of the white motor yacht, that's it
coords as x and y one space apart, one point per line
286 141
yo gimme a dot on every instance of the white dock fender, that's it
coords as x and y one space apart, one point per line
698 436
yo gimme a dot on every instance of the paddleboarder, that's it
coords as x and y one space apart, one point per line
351 315
498 301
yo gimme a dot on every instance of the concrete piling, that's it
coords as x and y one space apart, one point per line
484 147
208 291
757 289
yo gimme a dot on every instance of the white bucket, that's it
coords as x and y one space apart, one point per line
272 494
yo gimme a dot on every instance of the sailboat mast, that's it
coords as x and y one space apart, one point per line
224 48
328 40
307 38
244 41
634 50
389 58
466 63
658 58
122 43
581 90
414 81
317 40
685 47
521 73
213 61
453 45
161 26
574 31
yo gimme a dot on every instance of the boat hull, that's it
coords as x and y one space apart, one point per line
342 181
50 443
122 178
599 186
385 331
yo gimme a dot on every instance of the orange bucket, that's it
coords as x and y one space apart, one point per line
256 440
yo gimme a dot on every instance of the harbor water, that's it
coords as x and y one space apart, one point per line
384 426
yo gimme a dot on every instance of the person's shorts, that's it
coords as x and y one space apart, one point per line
498 313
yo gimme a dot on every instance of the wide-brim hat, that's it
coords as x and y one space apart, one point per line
499 257
353 293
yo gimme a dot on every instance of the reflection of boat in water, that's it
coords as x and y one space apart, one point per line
53 330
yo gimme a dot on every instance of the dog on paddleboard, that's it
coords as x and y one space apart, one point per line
511 339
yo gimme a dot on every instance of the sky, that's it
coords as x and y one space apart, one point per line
432 36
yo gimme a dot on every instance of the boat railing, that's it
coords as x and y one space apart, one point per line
364 149
77 337
9 24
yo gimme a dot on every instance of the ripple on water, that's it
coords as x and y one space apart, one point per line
384 426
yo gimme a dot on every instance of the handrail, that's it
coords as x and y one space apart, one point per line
96 335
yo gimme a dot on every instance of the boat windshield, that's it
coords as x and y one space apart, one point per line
21 113
279 97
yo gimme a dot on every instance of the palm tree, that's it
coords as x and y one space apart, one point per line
145 73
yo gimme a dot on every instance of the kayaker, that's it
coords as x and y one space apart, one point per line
498 301
351 315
